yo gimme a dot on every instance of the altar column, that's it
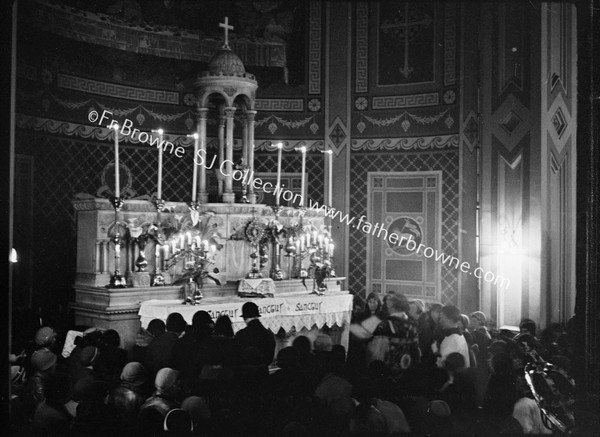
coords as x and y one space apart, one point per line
221 135
250 117
202 193
228 195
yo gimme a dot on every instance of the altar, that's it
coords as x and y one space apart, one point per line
143 257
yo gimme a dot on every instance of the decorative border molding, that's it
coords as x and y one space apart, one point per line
108 31
362 47
421 143
114 90
450 44
280 105
407 101
40 124
314 48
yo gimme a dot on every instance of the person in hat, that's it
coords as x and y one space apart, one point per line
255 334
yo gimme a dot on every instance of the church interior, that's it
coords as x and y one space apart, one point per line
441 150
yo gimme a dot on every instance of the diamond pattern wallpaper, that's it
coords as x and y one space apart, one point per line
361 164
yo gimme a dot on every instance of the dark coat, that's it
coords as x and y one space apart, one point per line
159 352
256 335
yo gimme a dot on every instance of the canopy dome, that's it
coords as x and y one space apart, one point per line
227 63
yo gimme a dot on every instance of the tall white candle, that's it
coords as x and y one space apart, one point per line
330 180
166 251
160 164
331 249
117 182
195 174
303 184
279 152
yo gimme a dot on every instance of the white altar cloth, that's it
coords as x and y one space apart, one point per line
302 311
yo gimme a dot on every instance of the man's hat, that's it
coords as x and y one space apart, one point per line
249 310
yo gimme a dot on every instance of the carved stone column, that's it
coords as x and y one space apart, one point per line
250 122
228 195
221 135
202 193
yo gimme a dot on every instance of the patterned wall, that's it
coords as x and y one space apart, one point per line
361 164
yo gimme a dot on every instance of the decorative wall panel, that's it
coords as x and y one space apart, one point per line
444 161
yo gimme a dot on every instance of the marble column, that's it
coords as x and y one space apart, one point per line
201 128
250 119
221 136
228 195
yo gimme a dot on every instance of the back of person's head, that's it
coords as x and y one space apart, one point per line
176 323
166 380
465 321
156 327
287 358
417 306
302 343
134 374
323 343
197 408
454 362
202 324
502 364
451 312
111 338
397 302
45 336
88 355
223 326
43 360
178 422
480 317
528 326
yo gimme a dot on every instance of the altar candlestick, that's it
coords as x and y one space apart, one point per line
160 164
166 251
303 181
195 173
331 249
157 255
182 241
315 238
301 244
117 183
279 152
307 235
174 246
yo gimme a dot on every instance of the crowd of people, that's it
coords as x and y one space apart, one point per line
410 369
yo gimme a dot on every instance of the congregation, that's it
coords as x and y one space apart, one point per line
416 369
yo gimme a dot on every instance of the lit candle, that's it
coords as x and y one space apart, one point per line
117 183
160 164
165 251
195 173
303 183
279 152
331 249
314 237
174 246
189 238
330 181
157 252
301 244
307 236
182 241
